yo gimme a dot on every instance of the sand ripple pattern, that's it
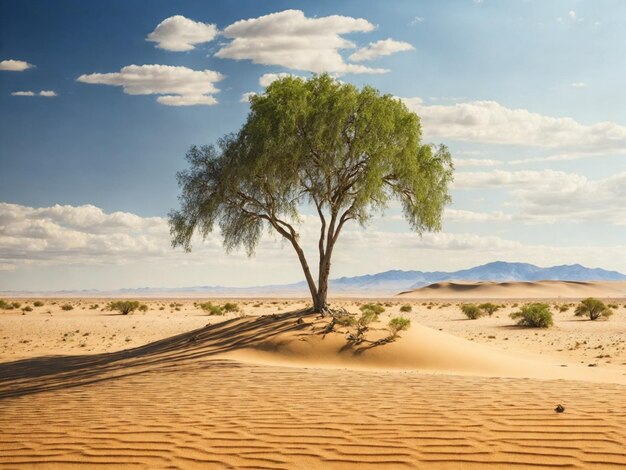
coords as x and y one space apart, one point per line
157 409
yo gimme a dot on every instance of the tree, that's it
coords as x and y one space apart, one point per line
344 151
592 308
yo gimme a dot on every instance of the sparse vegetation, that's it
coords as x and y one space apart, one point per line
211 308
123 306
592 308
38 303
472 311
4 305
28 308
230 307
489 308
535 315
396 325
143 308
406 308
67 307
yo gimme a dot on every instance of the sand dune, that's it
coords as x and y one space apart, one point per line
272 392
519 290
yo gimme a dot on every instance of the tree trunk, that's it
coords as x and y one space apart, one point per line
321 304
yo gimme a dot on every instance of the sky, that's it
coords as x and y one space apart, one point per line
99 102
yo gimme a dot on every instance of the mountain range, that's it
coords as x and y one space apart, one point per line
380 284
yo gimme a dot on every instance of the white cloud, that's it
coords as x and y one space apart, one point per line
460 215
464 162
75 236
548 196
578 85
493 123
380 48
11 65
267 79
181 85
290 39
245 98
178 33
416 20
44 93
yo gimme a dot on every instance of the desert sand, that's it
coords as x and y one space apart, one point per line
264 388
519 290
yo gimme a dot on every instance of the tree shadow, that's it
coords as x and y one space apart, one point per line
47 373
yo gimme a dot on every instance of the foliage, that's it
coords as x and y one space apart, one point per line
406 308
472 311
398 324
123 306
376 309
28 308
346 151
229 307
4 305
535 315
211 309
38 303
143 308
67 307
592 308
489 308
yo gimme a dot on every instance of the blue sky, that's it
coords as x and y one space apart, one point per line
527 94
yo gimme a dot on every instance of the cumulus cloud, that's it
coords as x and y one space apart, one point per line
290 39
44 93
493 123
11 65
459 215
178 33
245 98
180 85
548 196
380 48
465 162
65 236
267 79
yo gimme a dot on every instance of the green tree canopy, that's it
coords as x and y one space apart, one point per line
345 151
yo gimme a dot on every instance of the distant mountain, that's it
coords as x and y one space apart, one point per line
385 283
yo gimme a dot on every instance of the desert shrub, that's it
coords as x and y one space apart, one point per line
38 303
5 305
123 306
211 309
67 307
563 308
472 311
28 308
143 308
375 309
406 308
536 315
489 308
398 324
16 304
229 307
592 308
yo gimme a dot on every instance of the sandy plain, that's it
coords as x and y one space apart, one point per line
264 388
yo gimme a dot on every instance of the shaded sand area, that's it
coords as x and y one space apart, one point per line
273 391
